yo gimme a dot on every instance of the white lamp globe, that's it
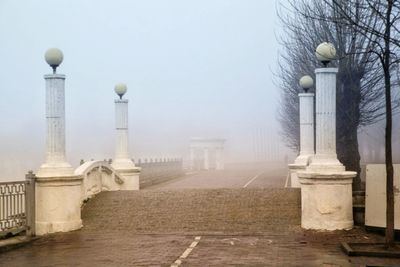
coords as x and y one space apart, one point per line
120 89
325 52
54 57
306 82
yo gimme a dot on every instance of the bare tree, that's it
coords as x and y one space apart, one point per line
383 33
359 100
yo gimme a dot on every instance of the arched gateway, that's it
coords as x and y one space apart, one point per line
206 154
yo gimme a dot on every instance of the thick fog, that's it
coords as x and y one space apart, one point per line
193 69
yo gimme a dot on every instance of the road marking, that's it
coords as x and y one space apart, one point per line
186 252
251 180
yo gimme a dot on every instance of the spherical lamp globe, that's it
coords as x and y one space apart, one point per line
306 82
54 57
325 52
120 89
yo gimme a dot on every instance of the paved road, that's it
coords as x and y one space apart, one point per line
239 178
241 217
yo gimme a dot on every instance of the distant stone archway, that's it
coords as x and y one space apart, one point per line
207 153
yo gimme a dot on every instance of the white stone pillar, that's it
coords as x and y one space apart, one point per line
58 189
121 159
206 159
219 159
306 113
325 154
326 188
306 101
192 162
56 162
122 162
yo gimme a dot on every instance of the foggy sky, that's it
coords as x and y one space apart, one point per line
193 69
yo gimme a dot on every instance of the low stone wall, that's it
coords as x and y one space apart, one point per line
98 176
155 171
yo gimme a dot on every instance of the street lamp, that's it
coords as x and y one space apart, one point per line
306 82
325 52
54 57
120 89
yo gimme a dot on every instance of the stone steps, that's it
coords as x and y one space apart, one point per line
199 210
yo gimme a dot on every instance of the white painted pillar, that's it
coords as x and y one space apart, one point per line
219 159
58 189
56 162
306 113
122 161
325 154
122 158
192 162
326 194
306 101
206 159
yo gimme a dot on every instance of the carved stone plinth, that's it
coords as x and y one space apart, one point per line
326 200
293 169
58 204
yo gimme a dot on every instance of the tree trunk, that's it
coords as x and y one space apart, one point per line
389 236
386 61
347 121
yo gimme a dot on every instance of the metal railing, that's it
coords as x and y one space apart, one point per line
17 206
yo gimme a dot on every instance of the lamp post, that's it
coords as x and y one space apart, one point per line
122 161
306 110
325 106
325 185
56 162
325 53
58 189
306 113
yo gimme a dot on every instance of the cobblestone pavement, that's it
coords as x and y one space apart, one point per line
236 227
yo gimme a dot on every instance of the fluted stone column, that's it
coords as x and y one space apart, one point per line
325 154
326 187
58 189
56 162
306 101
122 161
306 113
192 162
219 159
206 159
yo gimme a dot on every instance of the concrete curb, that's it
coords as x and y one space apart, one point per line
15 242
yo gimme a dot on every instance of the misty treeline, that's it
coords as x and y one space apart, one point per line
360 82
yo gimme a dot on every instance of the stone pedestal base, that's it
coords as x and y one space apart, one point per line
326 200
326 164
131 178
293 169
58 204
55 169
